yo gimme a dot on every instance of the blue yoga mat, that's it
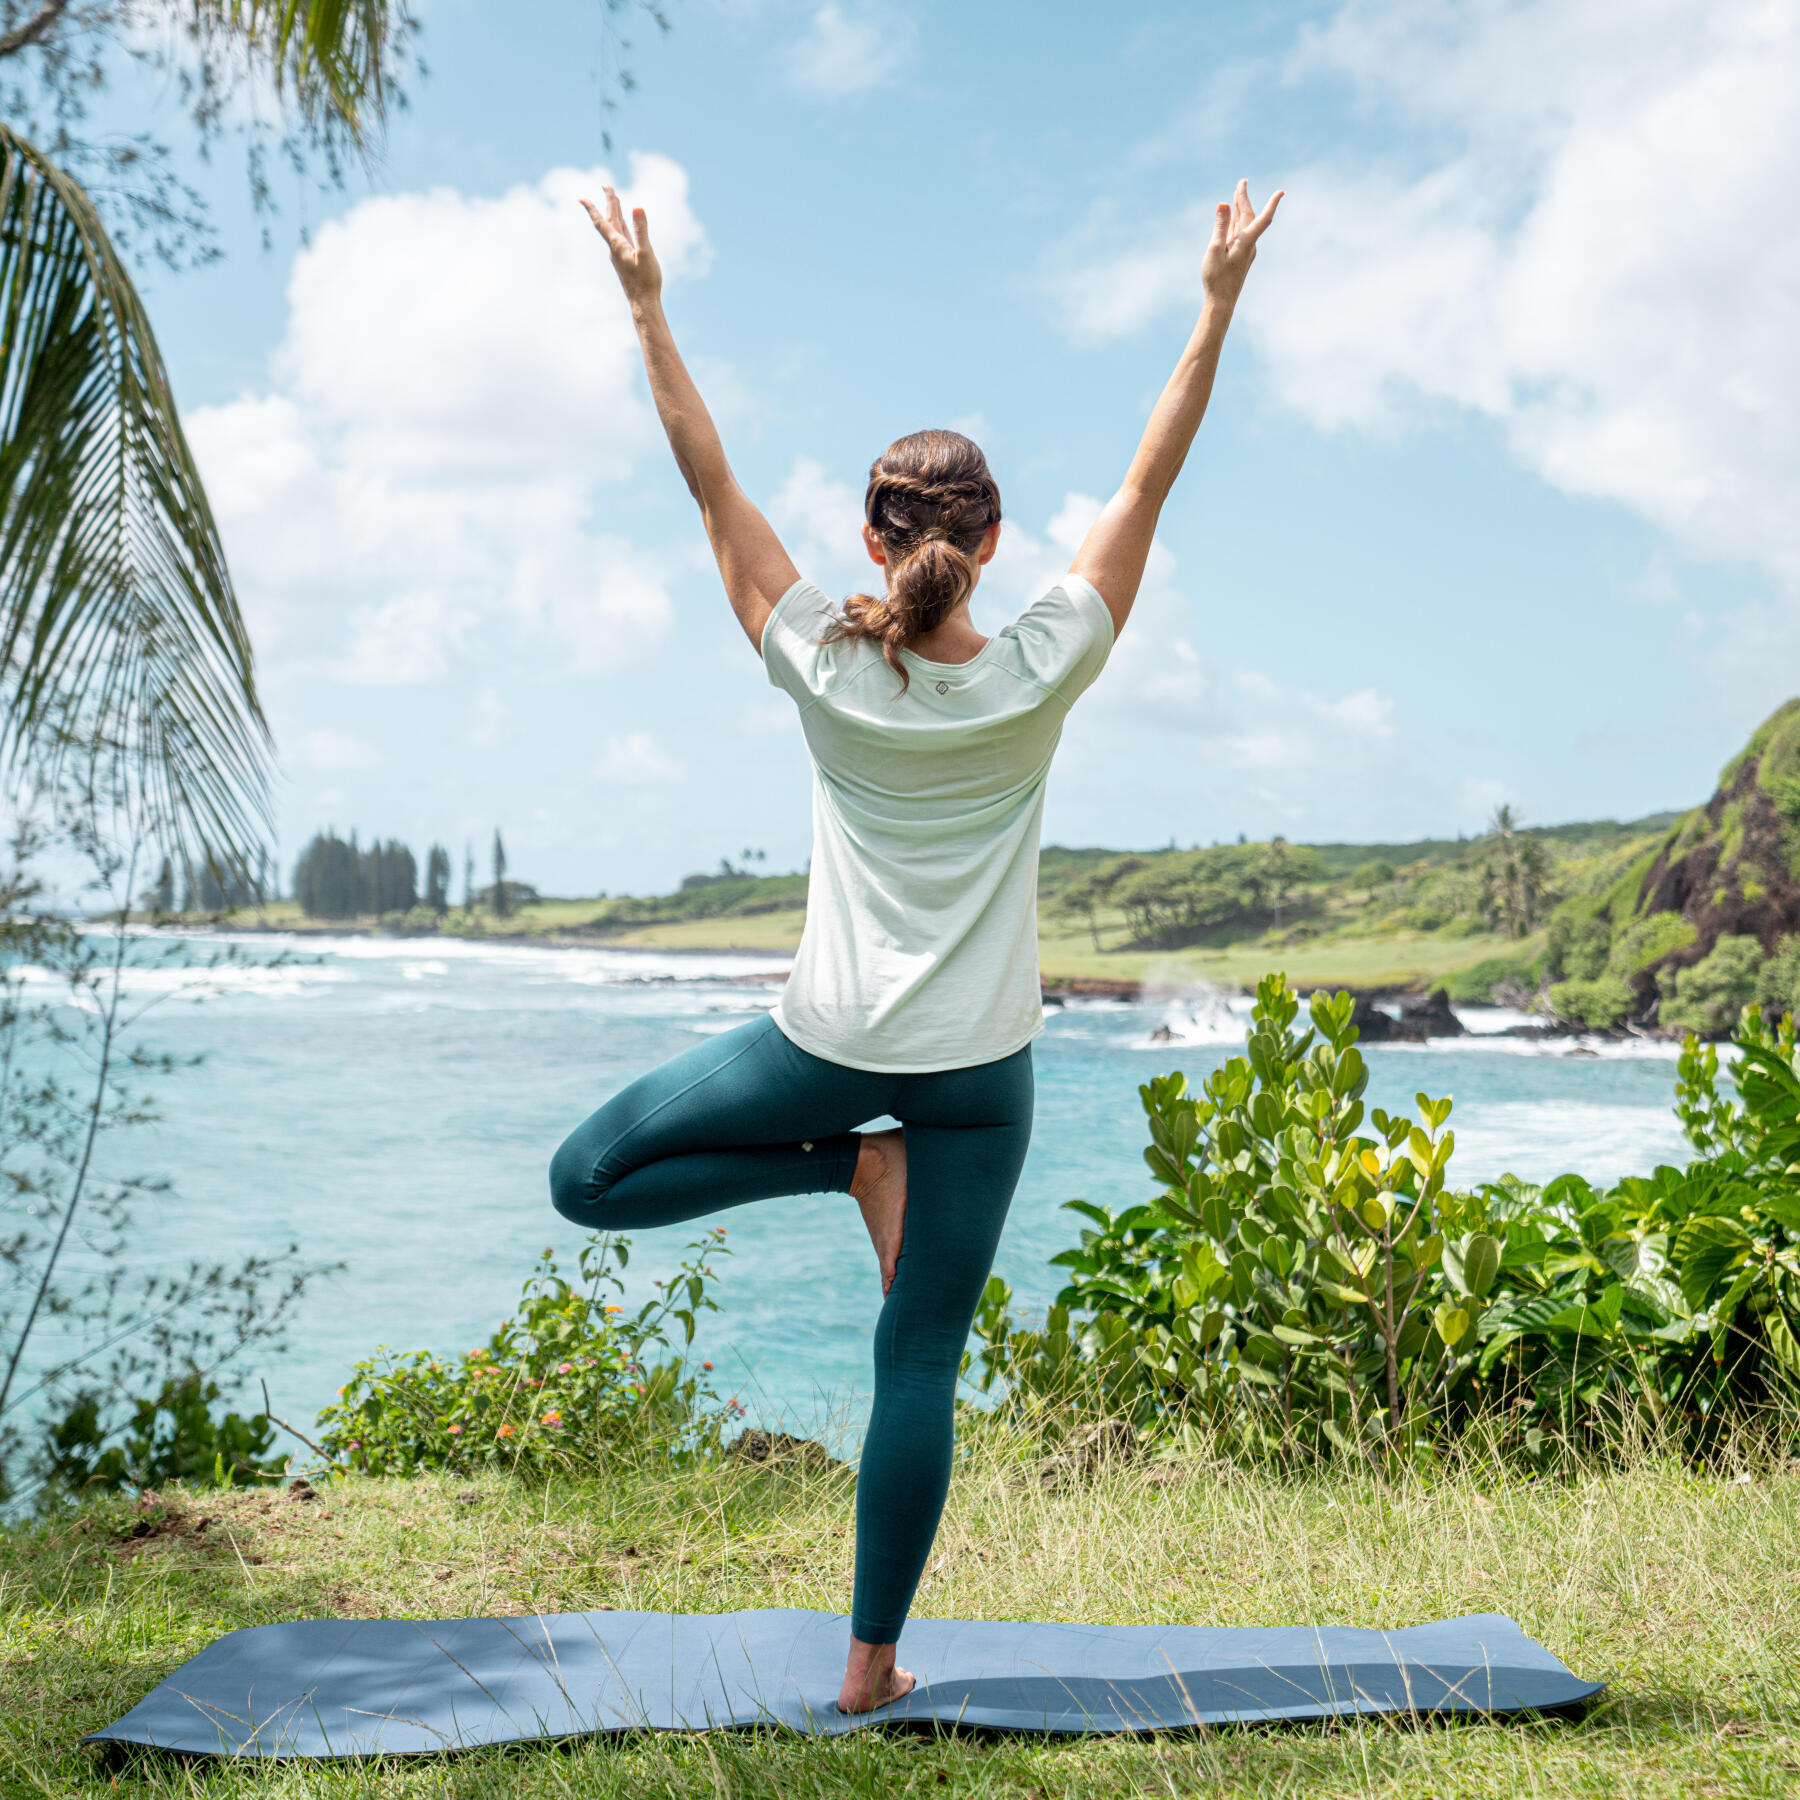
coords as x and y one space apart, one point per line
368 1687
362 1687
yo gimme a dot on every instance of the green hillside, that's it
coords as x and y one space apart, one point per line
1674 922
1707 920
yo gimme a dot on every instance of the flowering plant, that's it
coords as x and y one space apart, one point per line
574 1373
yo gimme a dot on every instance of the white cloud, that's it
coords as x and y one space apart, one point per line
1163 705
429 465
819 518
637 760
1575 229
332 752
847 50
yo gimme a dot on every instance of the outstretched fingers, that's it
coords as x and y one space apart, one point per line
1221 224
1260 223
603 225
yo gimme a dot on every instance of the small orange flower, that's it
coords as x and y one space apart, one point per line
552 1418
706 1365
504 1431
455 1430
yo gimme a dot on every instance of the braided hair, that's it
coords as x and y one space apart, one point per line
931 499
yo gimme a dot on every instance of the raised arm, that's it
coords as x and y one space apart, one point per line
756 570
1113 554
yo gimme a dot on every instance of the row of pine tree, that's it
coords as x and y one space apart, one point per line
338 878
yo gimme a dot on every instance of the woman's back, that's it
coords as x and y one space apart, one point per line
920 949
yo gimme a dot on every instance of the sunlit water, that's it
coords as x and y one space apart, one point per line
393 1104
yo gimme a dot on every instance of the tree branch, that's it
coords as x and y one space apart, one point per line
22 37
289 1429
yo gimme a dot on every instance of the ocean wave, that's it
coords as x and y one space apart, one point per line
580 964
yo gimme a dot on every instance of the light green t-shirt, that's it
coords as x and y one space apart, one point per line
920 948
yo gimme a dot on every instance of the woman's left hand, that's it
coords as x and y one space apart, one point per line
634 262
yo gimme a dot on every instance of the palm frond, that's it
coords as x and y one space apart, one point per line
116 606
333 58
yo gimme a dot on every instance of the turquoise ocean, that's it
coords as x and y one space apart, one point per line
392 1104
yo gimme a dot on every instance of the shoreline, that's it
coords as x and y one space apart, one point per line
1055 989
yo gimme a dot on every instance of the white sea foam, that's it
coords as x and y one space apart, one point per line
1537 1139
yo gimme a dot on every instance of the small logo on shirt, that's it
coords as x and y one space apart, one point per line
943 687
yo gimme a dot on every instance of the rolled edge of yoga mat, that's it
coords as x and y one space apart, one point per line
333 1688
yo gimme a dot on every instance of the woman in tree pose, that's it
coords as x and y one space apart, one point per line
915 989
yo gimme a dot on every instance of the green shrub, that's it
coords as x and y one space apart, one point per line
1579 940
1475 986
1295 1283
172 1437
1707 996
570 1377
1597 1004
1300 1288
1778 981
1646 941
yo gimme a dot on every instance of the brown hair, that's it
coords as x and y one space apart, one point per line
931 499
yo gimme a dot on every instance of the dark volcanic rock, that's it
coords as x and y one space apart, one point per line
1418 1020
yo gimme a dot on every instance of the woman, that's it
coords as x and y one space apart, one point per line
915 989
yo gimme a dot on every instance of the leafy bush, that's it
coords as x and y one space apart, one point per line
1302 1288
1293 1282
572 1375
1598 1004
173 1437
1707 996
1493 976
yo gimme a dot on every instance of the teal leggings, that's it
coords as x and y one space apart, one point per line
751 1116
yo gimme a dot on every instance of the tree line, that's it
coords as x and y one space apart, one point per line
337 878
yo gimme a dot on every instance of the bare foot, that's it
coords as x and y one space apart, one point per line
872 1678
879 1188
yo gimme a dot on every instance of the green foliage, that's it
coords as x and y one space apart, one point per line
1301 1288
1294 1282
173 1437
1708 995
1778 981
337 880
1647 941
1491 978
1579 939
1181 899
571 1375
1597 1004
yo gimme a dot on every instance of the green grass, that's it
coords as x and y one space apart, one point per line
1392 959
1681 1589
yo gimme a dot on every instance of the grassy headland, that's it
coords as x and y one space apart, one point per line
1675 1587
1365 916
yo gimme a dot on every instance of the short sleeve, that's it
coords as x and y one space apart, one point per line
791 647
1065 639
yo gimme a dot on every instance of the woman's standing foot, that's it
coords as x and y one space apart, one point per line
872 1678
879 1188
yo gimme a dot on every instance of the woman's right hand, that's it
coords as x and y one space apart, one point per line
633 261
1236 227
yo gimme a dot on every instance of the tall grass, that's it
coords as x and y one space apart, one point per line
1678 1586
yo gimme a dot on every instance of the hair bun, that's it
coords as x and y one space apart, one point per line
931 499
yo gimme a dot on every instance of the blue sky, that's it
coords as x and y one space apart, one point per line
1494 501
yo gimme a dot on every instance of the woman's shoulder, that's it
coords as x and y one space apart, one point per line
1061 641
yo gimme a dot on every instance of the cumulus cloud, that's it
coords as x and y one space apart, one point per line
637 760
429 463
1575 231
847 50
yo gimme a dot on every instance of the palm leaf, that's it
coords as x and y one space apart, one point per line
331 57
116 606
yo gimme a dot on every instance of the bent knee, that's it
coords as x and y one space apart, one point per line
577 1184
